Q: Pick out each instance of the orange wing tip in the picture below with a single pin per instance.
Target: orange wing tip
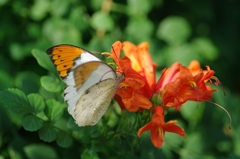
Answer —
(63, 73)
(59, 49)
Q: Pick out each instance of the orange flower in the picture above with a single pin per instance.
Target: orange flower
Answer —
(142, 63)
(158, 127)
(188, 87)
(130, 89)
(169, 75)
(130, 94)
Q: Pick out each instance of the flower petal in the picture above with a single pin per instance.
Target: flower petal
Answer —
(131, 51)
(157, 137)
(148, 126)
(171, 127)
(116, 50)
(146, 63)
(133, 100)
(168, 76)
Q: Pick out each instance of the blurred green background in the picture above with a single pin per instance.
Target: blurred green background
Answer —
(183, 30)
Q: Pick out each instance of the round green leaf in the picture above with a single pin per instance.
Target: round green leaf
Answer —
(174, 30)
(39, 9)
(47, 133)
(135, 7)
(17, 51)
(102, 21)
(60, 31)
(54, 109)
(40, 151)
(31, 122)
(89, 153)
(206, 48)
(44, 60)
(64, 140)
(51, 84)
(15, 100)
(36, 102)
(140, 29)
(62, 7)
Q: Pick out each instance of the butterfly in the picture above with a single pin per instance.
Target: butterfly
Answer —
(90, 83)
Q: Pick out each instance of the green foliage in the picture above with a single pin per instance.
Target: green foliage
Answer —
(40, 151)
(174, 30)
(43, 60)
(54, 110)
(31, 122)
(47, 133)
(34, 122)
(64, 139)
(15, 100)
(36, 102)
(51, 84)
(102, 21)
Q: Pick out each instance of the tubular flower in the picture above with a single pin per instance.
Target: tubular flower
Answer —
(139, 89)
(158, 127)
(188, 87)
(130, 90)
(142, 63)
(130, 94)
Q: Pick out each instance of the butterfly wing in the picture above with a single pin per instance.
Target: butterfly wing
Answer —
(67, 57)
(94, 102)
(84, 77)
(90, 82)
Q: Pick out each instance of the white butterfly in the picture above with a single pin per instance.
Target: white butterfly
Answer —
(91, 83)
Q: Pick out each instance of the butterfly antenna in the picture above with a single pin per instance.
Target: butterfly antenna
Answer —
(105, 74)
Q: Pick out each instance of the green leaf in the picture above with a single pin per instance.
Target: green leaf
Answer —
(61, 9)
(5, 80)
(182, 53)
(140, 25)
(54, 109)
(17, 51)
(89, 154)
(174, 30)
(47, 133)
(205, 48)
(64, 140)
(39, 9)
(27, 81)
(40, 151)
(102, 21)
(44, 60)
(31, 122)
(135, 7)
(60, 31)
(96, 4)
(51, 84)
(195, 144)
(36, 102)
(15, 100)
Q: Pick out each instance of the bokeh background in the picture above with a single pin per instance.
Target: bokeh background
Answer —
(177, 30)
